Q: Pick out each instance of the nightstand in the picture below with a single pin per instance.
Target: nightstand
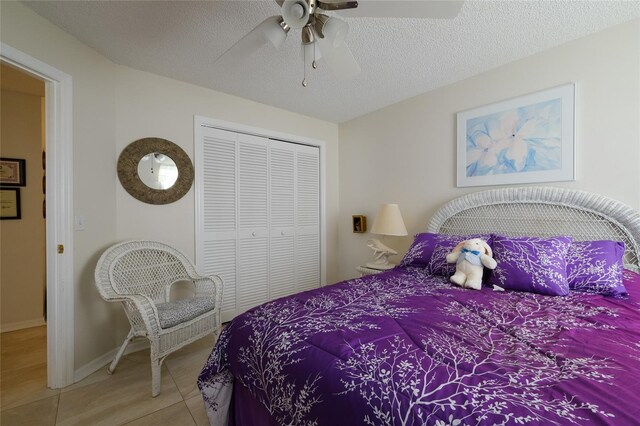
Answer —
(365, 270)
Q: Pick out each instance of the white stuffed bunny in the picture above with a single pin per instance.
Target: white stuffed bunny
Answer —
(470, 256)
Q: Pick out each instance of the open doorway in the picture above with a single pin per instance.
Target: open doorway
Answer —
(56, 299)
(22, 182)
(22, 235)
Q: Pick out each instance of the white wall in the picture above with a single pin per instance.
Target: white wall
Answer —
(405, 153)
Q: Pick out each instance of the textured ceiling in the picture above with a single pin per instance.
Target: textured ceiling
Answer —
(400, 58)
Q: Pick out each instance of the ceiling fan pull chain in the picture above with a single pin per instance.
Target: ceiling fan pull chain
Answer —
(314, 64)
(304, 67)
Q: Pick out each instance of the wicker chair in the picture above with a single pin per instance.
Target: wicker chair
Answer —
(140, 275)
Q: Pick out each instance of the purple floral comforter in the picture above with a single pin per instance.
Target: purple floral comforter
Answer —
(407, 348)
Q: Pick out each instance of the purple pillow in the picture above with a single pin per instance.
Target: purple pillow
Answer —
(531, 264)
(596, 267)
(430, 250)
(421, 249)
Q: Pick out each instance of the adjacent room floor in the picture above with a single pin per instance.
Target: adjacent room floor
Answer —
(99, 399)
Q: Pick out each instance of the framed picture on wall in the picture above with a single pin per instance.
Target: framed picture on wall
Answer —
(12, 172)
(10, 203)
(523, 140)
(359, 223)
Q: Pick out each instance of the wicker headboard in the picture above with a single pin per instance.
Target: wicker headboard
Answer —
(543, 212)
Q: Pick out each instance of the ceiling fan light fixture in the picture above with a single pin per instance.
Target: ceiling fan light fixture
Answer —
(324, 35)
(275, 30)
(307, 35)
(333, 29)
(319, 22)
(295, 13)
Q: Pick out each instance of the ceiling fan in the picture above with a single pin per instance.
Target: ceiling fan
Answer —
(323, 35)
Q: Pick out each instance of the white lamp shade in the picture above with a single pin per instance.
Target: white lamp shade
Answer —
(389, 221)
(335, 30)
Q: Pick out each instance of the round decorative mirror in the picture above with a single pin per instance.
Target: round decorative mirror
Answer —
(155, 171)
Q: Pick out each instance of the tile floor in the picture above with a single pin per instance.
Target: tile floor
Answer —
(123, 398)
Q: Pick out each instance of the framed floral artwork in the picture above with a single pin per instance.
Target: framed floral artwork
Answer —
(523, 140)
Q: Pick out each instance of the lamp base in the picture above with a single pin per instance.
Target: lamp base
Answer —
(381, 253)
(380, 266)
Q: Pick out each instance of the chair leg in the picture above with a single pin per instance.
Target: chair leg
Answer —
(156, 368)
(116, 360)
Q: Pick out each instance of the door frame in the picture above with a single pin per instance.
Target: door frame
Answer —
(200, 121)
(59, 212)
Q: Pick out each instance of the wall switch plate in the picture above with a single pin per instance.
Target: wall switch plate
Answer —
(79, 223)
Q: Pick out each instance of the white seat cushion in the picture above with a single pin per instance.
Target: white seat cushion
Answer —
(179, 311)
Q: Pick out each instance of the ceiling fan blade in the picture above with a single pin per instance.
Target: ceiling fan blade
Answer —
(339, 59)
(438, 9)
(268, 31)
(336, 4)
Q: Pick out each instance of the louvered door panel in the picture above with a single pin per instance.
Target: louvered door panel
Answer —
(219, 258)
(282, 276)
(218, 231)
(253, 182)
(307, 217)
(308, 182)
(282, 184)
(253, 285)
(219, 181)
(253, 221)
(308, 262)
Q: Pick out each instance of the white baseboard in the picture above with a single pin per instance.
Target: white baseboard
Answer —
(13, 326)
(103, 360)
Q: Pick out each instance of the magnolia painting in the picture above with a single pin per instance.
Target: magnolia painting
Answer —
(523, 139)
(529, 139)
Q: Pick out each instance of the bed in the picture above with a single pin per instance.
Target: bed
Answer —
(406, 347)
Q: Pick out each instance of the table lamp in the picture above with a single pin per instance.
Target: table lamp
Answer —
(388, 221)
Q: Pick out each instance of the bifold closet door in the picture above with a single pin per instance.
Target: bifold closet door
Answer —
(294, 218)
(258, 218)
(282, 187)
(307, 217)
(216, 167)
(253, 220)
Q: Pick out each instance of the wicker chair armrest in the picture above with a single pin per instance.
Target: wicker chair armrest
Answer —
(210, 286)
(109, 294)
(147, 309)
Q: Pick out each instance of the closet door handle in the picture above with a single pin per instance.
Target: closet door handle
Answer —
(253, 234)
(282, 233)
